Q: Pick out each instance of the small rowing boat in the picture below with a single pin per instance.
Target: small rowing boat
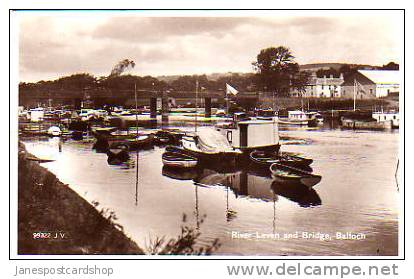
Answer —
(178, 160)
(141, 141)
(118, 154)
(261, 158)
(287, 173)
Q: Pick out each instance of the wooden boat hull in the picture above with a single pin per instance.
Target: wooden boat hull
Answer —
(140, 142)
(264, 159)
(207, 158)
(286, 173)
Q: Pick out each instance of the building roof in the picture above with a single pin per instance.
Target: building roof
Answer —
(325, 81)
(382, 76)
(362, 79)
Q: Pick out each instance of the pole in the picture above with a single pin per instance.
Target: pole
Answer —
(136, 130)
(136, 109)
(196, 208)
(354, 94)
(196, 105)
(227, 103)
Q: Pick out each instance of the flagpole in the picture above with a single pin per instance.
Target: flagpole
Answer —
(227, 102)
(196, 105)
(354, 94)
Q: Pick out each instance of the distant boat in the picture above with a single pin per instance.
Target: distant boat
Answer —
(314, 118)
(287, 173)
(386, 116)
(265, 114)
(162, 137)
(294, 117)
(54, 131)
(178, 160)
(368, 125)
(266, 159)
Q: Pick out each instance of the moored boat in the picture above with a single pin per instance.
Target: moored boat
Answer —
(54, 131)
(369, 125)
(178, 160)
(142, 141)
(118, 154)
(294, 117)
(266, 159)
(387, 116)
(287, 173)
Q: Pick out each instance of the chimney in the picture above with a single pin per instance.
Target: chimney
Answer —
(341, 76)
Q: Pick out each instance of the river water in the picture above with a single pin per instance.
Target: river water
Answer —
(248, 212)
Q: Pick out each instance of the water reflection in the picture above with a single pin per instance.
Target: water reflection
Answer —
(297, 193)
(243, 183)
(178, 174)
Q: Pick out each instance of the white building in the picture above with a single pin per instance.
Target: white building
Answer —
(324, 87)
(386, 81)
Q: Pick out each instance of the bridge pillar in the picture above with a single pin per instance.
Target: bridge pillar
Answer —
(207, 106)
(153, 108)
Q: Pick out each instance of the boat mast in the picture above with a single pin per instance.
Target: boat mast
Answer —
(196, 105)
(227, 102)
(136, 130)
(136, 109)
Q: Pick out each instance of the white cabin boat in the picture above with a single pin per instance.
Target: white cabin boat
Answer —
(251, 134)
(36, 114)
(295, 117)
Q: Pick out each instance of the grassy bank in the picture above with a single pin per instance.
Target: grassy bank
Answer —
(70, 225)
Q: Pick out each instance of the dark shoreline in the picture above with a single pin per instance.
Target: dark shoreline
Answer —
(53, 219)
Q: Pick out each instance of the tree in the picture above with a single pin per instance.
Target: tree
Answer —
(276, 69)
(327, 72)
(391, 66)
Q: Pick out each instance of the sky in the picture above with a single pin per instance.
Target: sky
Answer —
(55, 44)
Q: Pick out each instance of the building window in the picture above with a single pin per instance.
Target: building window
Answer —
(322, 87)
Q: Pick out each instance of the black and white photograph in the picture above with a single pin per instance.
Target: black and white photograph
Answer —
(146, 133)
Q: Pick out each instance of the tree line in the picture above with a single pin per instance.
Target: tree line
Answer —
(275, 70)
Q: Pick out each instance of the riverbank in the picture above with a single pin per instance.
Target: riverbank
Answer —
(53, 219)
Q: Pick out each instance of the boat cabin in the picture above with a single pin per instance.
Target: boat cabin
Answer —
(36, 114)
(251, 134)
